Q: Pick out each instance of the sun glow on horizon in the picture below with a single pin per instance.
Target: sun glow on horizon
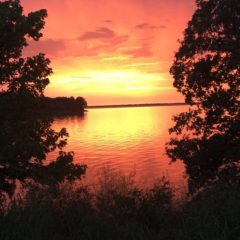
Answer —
(110, 82)
(121, 55)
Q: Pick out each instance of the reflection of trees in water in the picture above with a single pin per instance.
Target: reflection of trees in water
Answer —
(206, 71)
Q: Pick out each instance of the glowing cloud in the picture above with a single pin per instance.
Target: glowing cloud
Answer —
(112, 51)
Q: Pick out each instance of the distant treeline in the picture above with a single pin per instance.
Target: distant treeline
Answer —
(63, 105)
(43, 105)
(137, 105)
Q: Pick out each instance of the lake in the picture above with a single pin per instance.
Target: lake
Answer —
(126, 140)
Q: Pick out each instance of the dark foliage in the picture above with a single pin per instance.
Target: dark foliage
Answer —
(206, 71)
(63, 105)
(18, 74)
(70, 213)
(26, 136)
(76, 213)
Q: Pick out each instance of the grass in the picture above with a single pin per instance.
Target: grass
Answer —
(118, 209)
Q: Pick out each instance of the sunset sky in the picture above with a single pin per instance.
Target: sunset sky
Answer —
(112, 51)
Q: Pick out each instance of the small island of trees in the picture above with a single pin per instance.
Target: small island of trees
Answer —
(63, 105)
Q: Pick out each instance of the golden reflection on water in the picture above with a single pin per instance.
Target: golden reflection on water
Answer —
(124, 139)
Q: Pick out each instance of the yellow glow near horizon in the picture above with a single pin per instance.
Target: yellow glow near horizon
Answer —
(108, 81)
(112, 52)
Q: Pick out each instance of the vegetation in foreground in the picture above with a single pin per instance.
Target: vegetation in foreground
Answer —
(206, 72)
(120, 210)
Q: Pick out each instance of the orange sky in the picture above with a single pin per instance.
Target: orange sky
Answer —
(112, 51)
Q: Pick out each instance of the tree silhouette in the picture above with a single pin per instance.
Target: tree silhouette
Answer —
(26, 136)
(16, 73)
(63, 105)
(206, 71)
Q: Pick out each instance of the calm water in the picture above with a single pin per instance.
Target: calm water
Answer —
(129, 140)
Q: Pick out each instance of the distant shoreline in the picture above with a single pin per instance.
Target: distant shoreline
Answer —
(136, 105)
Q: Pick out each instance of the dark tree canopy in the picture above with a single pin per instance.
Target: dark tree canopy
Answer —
(206, 70)
(63, 105)
(26, 136)
(17, 73)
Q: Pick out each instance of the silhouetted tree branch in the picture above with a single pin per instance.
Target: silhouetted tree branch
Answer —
(26, 136)
(206, 71)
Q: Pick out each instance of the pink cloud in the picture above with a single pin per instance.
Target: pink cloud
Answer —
(47, 46)
(107, 46)
(100, 33)
(104, 40)
(108, 21)
(148, 26)
(142, 52)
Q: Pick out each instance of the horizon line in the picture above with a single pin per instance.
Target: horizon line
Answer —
(137, 105)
